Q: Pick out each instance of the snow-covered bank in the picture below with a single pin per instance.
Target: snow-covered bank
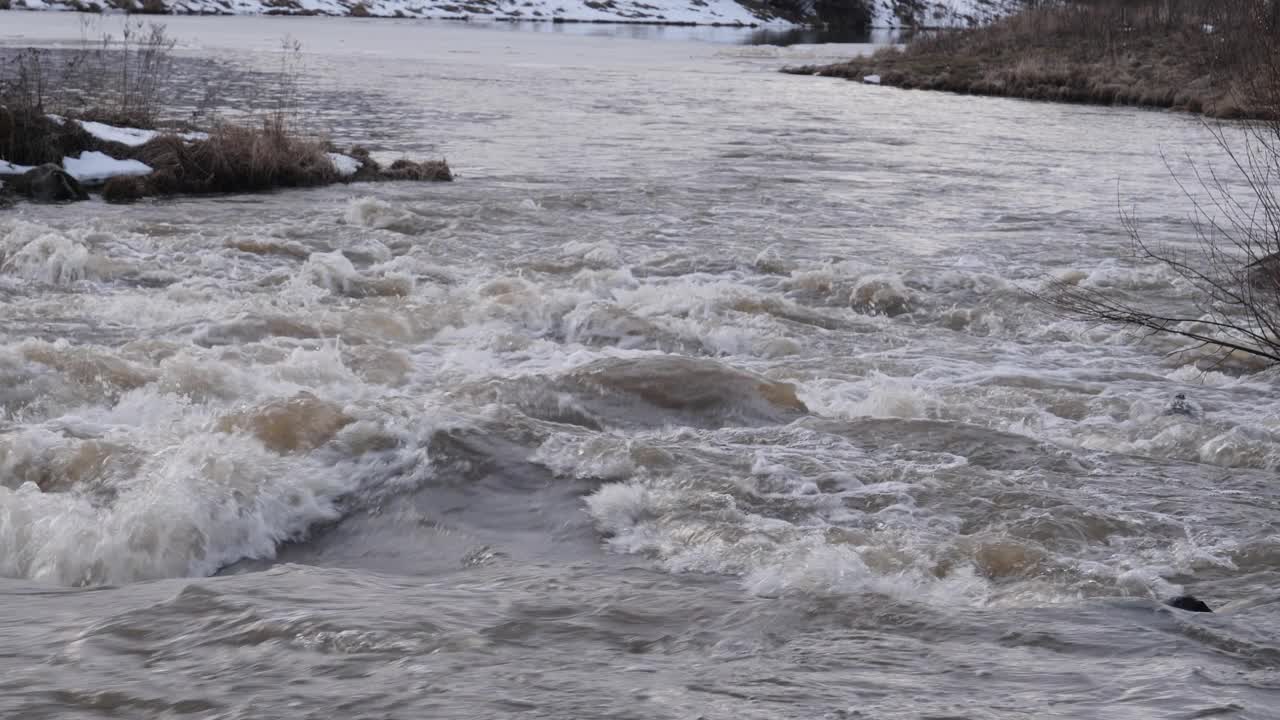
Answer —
(897, 14)
(882, 13)
(701, 12)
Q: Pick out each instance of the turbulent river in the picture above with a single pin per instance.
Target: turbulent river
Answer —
(703, 392)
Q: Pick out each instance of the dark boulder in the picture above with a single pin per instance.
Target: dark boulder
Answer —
(47, 183)
(370, 170)
(1190, 603)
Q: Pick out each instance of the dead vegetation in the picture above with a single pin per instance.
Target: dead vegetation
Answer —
(235, 158)
(1195, 55)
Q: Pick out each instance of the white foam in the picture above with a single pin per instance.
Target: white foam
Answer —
(331, 271)
(371, 212)
(877, 396)
(40, 253)
(205, 501)
(692, 529)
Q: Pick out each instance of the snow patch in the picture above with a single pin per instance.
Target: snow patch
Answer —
(131, 137)
(871, 79)
(941, 13)
(345, 164)
(8, 168)
(96, 167)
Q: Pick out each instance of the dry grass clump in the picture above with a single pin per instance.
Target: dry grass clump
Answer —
(235, 158)
(30, 137)
(1193, 55)
(121, 190)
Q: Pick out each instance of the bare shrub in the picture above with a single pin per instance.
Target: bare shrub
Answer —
(125, 81)
(1234, 267)
(31, 88)
(284, 113)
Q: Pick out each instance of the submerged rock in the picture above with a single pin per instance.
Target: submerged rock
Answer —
(1190, 603)
(1181, 405)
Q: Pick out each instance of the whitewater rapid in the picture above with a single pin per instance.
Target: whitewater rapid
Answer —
(703, 390)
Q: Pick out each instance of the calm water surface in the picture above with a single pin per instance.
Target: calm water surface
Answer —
(704, 392)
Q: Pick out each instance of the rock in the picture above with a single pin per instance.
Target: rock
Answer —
(435, 170)
(1180, 405)
(48, 183)
(878, 296)
(370, 170)
(124, 189)
(1190, 603)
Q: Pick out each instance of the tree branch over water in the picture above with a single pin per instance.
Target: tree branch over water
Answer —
(1233, 268)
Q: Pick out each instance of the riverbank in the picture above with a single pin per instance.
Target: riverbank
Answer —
(1195, 62)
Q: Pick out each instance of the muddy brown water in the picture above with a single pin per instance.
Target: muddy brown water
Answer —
(704, 392)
